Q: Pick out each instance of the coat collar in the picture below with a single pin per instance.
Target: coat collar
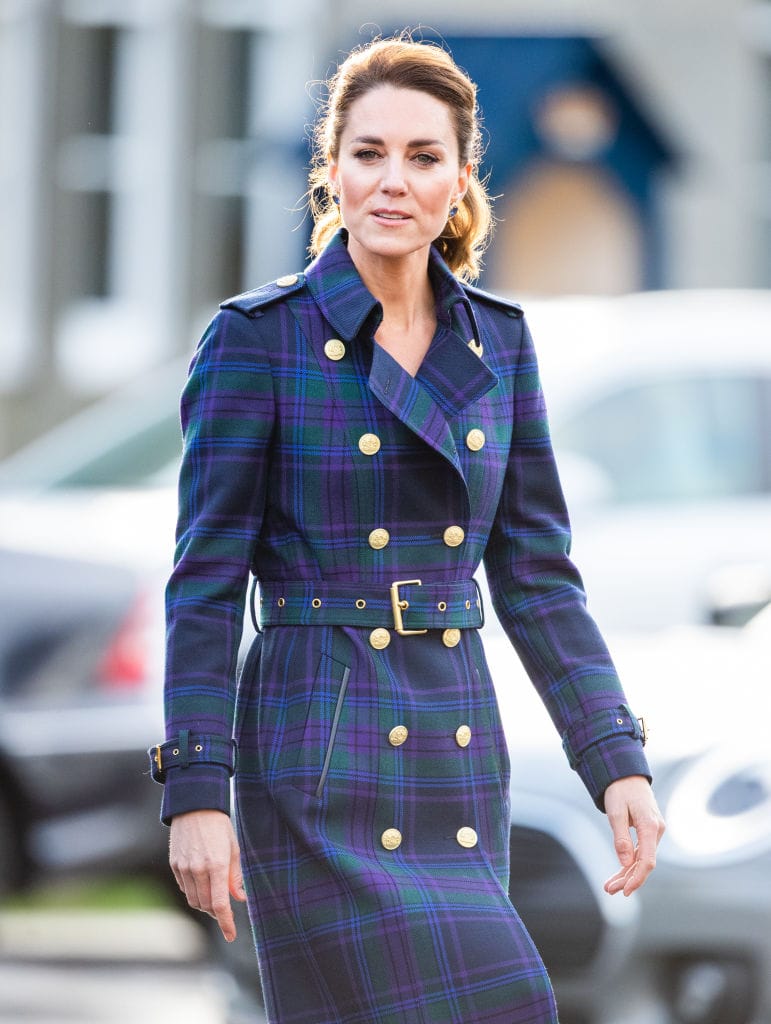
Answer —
(452, 374)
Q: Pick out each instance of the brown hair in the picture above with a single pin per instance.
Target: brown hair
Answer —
(403, 63)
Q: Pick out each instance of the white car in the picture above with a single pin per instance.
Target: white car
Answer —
(660, 406)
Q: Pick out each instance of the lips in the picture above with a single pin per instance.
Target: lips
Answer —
(390, 215)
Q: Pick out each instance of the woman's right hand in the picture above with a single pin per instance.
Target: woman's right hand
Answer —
(205, 859)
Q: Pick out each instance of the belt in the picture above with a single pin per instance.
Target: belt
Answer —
(408, 606)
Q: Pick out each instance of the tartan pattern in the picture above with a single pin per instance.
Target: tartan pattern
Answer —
(273, 480)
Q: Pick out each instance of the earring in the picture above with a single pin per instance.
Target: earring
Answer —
(335, 198)
(453, 211)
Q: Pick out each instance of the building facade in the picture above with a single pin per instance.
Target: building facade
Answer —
(153, 155)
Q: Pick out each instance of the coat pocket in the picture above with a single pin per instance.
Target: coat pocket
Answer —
(333, 731)
(314, 747)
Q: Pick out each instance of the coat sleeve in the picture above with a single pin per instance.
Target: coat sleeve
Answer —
(227, 414)
(538, 596)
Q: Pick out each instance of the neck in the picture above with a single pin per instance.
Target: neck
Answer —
(401, 285)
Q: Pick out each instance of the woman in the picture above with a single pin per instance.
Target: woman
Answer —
(360, 437)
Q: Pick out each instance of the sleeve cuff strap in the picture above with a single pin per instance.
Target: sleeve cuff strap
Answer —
(191, 748)
(599, 726)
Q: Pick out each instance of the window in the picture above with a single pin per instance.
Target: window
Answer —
(223, 106)
(84, 208)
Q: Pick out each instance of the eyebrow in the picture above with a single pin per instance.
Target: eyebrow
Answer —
(374, 140)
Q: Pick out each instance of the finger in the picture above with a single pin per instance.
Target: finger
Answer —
(197, 888)
(221, 909)
(648, 834)
(622, 838)
(617, 881)
(236, 881)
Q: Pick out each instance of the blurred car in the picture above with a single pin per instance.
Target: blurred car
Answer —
(694, 945)
(77, 662)
(84, 550)
(660, 406)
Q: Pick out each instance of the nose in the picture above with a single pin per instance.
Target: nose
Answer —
(392, 181)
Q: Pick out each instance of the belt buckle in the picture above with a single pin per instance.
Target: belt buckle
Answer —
(399, 606)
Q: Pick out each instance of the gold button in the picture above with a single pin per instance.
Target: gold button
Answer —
(369, 444)
(451, 637)
(476, 348)
(453, 536)
(361, 603)
(334, 349)
(287, 280)
(398, 735)
(316, 602)
(378, 539)
(379, 638)
(467, 837)
(463, 735)
(475, 439)
(391, 839)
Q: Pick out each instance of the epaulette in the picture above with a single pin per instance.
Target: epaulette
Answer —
(255, 300)
(513, 309)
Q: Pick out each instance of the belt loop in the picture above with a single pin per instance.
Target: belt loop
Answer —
(480, 602)
(252, 608)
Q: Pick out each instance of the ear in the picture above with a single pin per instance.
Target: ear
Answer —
(332, 171)
(464, 177)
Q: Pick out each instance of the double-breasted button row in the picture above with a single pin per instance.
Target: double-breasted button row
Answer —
(380, 638)
(466, 836)
(369, 444)
(399, 734)
(379, 538)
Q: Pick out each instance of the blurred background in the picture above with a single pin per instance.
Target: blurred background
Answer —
(153, 158)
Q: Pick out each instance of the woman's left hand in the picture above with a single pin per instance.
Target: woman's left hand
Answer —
(630, 803)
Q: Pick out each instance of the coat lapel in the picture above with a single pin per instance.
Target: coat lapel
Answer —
(412, 404)
(451, 377)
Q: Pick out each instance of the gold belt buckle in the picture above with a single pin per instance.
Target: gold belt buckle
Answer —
(399, 606)
(157, 757)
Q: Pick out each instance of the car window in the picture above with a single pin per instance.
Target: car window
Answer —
(146, 457)
(677, 438)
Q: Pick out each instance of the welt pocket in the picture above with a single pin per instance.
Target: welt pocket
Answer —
(335, 725)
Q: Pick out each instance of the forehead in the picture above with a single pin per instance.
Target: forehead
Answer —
(400, 114)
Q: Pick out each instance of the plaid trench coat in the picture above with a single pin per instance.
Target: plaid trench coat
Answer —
(372, 780)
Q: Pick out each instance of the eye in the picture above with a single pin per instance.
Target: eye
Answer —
(366, 154)
(426, 159)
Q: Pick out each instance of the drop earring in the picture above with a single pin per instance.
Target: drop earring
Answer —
(453, 211)
(335, 198)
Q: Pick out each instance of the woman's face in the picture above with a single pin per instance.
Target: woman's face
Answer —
(397, 172)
